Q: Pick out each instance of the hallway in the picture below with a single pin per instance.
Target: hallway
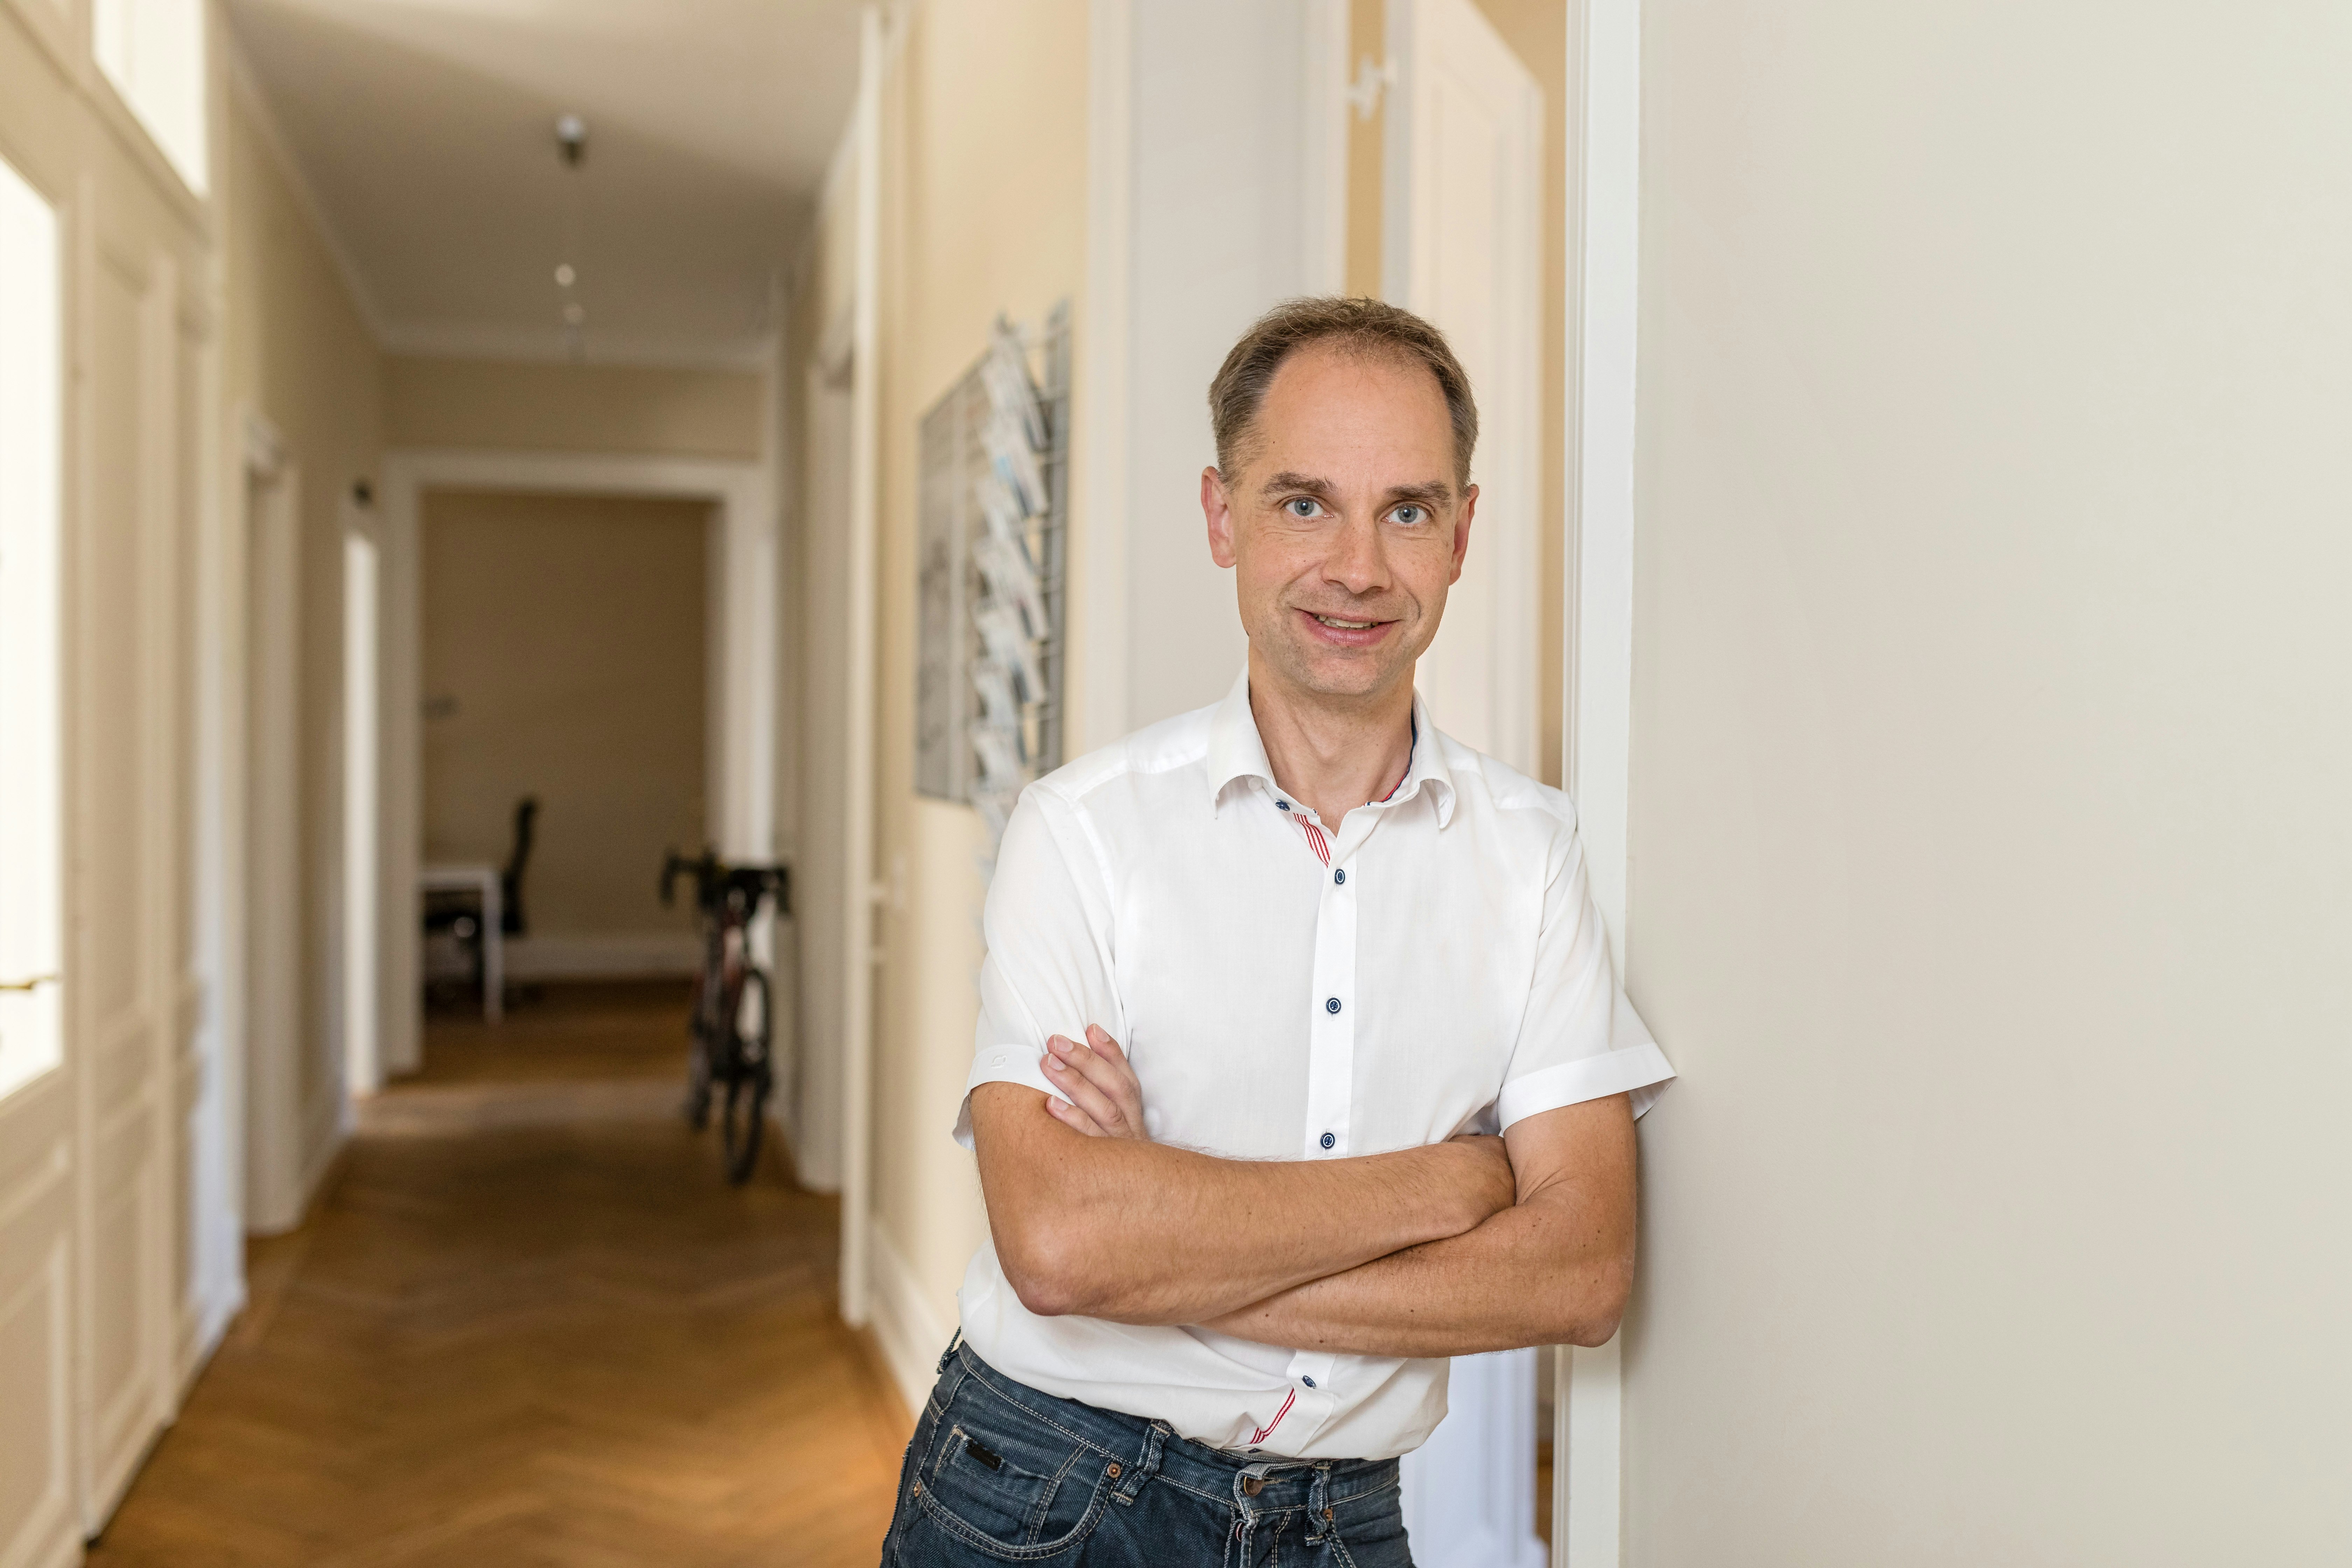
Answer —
(529, 1324)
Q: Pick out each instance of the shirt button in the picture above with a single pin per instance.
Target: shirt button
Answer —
(1331, 1004)
(1282, 805)
(1341, 878)
(1307, 1381)
(1327, 1141)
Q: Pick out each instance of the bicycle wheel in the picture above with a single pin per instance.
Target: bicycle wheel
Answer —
(698, 1071)
(746, 1115)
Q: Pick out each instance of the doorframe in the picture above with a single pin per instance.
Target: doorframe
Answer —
(262, 1016)
(363, 867)
(745, 615)
(1603, 214)
(857, 804)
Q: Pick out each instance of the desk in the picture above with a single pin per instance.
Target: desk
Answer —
(483, 882)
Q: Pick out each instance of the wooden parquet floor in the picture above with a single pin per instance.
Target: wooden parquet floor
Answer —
(548, 1338)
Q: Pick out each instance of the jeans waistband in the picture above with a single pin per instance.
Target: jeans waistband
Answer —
(1148, 1447)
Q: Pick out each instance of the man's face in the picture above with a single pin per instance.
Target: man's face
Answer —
(1344, 526)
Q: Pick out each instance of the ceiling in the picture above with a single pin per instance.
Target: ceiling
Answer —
(426, 132)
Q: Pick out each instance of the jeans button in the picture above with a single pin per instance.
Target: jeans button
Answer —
(1253, 1485)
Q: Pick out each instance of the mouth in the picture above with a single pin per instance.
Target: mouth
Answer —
(1344, 631)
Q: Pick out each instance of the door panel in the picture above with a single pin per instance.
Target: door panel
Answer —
(123, 614)
(39, 1522)
(1464, 249)
(37, 1513)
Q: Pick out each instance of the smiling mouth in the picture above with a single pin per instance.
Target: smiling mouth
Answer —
(1338, 624)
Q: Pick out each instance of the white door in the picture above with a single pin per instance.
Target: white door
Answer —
(122, 824)
(1463, 247)
(37, 1516)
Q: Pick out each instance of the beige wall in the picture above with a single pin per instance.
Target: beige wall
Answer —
(564, 657)
(297, 352)
(1537, 31)
(502, 405)
(984, 211)
(1988, 863)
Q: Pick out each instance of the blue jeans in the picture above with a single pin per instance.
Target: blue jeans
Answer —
(999, 1472)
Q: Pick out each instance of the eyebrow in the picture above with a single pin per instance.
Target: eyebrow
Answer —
(1429, 492)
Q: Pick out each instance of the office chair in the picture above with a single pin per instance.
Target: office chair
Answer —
(459, 915)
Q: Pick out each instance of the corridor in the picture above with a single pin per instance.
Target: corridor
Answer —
(529, 1323)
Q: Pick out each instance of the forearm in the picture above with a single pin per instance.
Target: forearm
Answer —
(1540, 1273)
(1143, 1232)
(1553, 1269)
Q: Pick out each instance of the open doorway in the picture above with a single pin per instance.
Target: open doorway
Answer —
(568, 660)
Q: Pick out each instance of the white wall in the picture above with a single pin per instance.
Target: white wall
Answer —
(1989, 859)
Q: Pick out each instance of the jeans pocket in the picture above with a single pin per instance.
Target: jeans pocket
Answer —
(1366, 1531)
(1009, 1484)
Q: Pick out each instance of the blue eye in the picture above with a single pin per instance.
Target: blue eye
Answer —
(1409, 515)
(1301, 507)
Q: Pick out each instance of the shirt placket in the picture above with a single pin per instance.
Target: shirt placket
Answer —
(1330, 1063)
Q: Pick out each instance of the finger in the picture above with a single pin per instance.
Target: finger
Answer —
(1127, 1089)
(1069, 1115)
(1085, 1095)
(1115, 1079)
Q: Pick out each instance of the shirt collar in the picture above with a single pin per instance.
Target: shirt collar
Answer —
(1236, 751)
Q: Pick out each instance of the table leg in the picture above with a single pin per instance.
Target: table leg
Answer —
(494, 951)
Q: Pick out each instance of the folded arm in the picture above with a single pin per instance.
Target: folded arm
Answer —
(1554, 1268)
(1121, 1228)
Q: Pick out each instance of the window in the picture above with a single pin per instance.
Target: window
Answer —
(154, 53)
(31, 445)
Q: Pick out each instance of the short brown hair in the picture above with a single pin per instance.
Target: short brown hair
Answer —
(1358, 326)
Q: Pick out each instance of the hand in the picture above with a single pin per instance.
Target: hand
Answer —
(1100, 1094)
(1492, 1185)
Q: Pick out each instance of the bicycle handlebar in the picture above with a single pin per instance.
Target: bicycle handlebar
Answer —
(727, 890)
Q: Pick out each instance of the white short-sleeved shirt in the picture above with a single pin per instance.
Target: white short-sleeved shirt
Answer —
(1286, 991)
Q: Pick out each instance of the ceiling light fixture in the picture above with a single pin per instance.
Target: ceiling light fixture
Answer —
(571, 148)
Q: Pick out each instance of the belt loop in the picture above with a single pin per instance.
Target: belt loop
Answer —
(1318, 1505)
(1155, 1436)
(948, 1355)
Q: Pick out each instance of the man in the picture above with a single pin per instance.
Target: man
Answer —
(1262, 983)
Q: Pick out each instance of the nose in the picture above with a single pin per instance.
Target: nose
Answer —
(1356, 562)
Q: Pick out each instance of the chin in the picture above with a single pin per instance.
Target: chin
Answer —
(1320, 671)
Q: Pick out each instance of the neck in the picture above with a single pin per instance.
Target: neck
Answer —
(1332, 754)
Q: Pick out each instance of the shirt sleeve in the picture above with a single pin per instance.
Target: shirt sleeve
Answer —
(1580, 1038)
(1049, 968)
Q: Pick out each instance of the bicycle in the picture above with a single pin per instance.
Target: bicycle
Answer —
(733, 1017)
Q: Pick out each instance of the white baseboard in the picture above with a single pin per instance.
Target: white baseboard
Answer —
(617, 955)
(909, 1330)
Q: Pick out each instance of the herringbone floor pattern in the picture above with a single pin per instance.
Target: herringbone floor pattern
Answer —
(537, 1339)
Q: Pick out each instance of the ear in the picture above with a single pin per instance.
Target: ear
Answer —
(1218, 509)
(1462, 531)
